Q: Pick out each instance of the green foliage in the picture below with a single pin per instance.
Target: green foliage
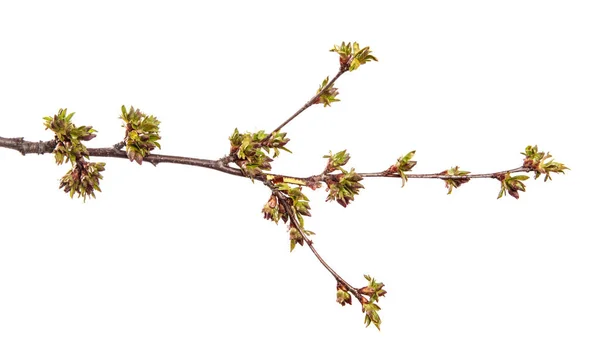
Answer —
(343, 296)
(141, 133)
(537, 161)
(352, 56)
(403, 164)
(328, 96)
(252, 150)
(371, 316)
(68, 137)
(344, 186)
(374, 290)
(84, 177)
(296, 238)
(277, 142)
(248, 149)
(274, 210)
(336, 161)
(456, 181)
(299, 200)
(511, 185)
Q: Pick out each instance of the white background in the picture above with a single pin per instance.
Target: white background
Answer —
(176, 260)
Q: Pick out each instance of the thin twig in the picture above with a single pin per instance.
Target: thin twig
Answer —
(311, 101)
(445, 176)
(294, 221)
(323, 177)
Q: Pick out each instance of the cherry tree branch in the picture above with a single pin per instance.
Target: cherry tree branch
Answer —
(251, 153)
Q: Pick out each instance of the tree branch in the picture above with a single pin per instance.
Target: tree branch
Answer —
(41, 147)
(27, 147)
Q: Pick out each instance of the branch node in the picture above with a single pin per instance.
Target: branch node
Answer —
(118, 146)
(20, 145)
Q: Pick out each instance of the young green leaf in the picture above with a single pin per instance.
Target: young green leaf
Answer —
(352, 55)
(457, 180)
(511, 185)
(141, 133)
(541, 163)
(403, 164)
(329, 94)
(336, 161)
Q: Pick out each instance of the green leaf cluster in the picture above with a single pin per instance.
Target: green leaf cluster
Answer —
(277, 142)
(456, 181)
(274, 210)
(511, 185)
(538, 161)
(84, 177)
(68, 137)
(336, 161)
(328, 96)
(404, 164)
(252, 150)
(352, 56)
(297, 238)
(298, 199)
(141, 133)
(344, 186)
(343, 296)
(374, 290)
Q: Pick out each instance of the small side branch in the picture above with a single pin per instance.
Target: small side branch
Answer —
(444, 175)
(294, 221)
(311, 101)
